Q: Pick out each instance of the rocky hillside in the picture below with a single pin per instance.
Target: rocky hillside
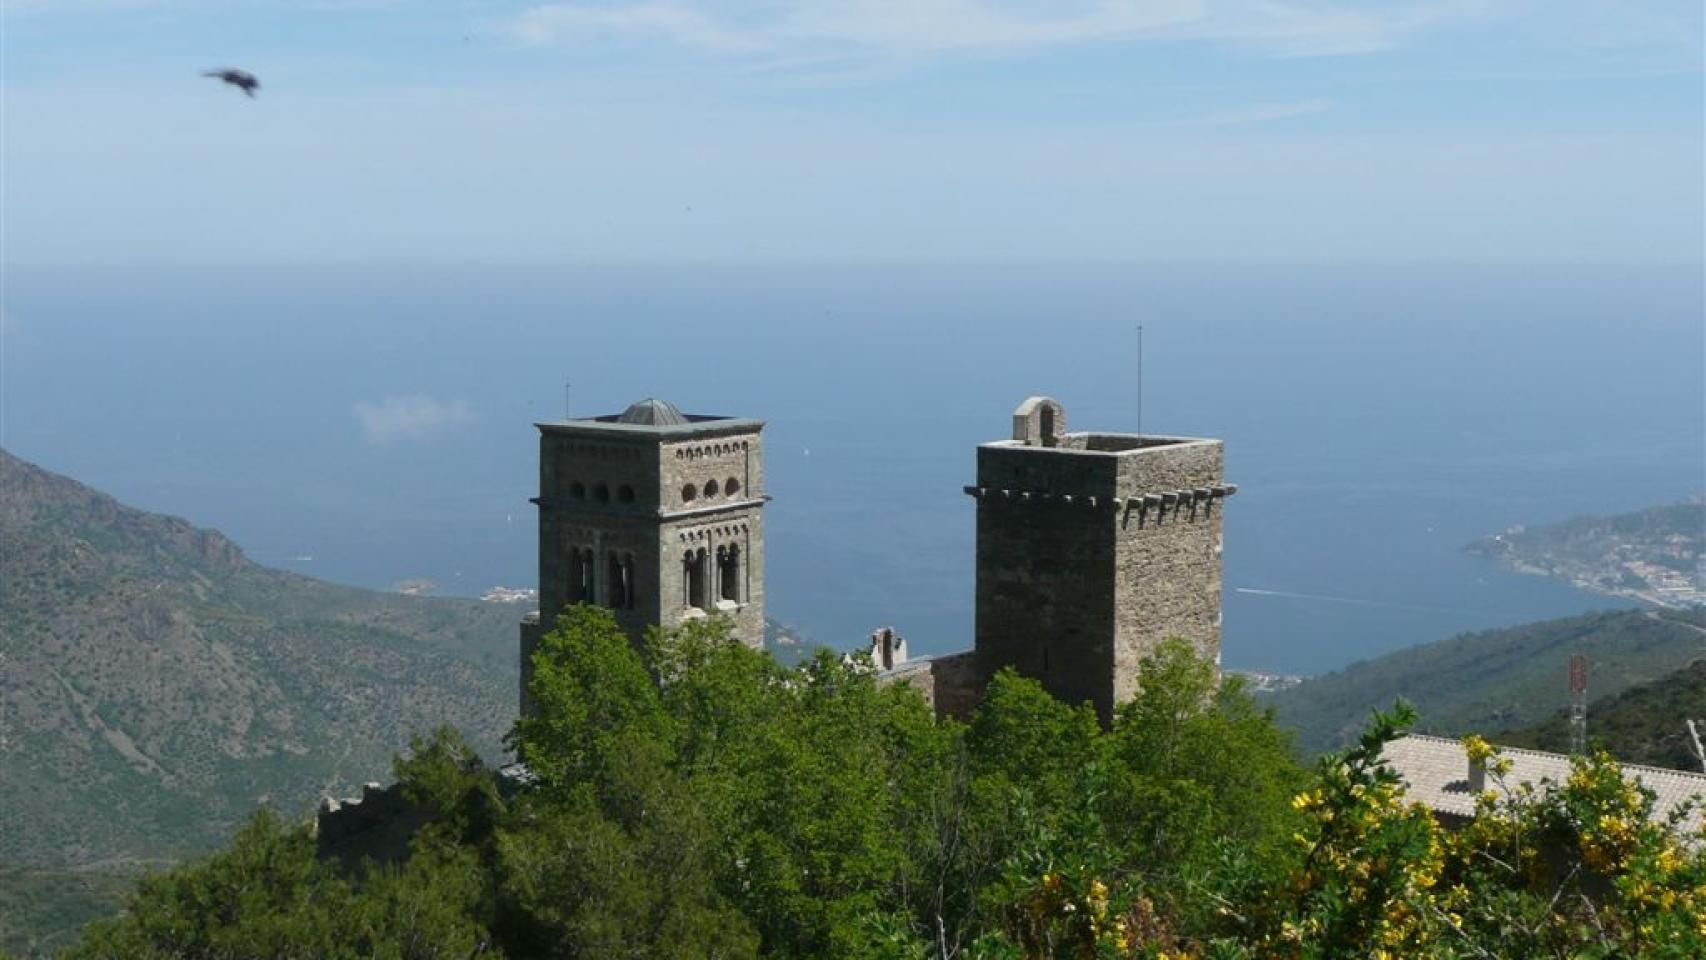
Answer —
(158, 685)
(1493, 680)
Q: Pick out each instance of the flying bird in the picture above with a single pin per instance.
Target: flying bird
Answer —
(241, 79)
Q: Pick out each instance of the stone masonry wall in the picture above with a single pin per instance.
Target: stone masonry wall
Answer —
(712, 520)
(953, 684)
(1167, 582)
(1045, 569)
(1090, 553)
(647, 497)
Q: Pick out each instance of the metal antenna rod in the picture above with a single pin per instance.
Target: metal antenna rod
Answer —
(565, 399)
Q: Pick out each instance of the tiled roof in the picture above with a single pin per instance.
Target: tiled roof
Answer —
(1436, 772)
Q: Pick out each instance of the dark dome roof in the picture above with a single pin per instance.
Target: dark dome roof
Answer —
(653, 412)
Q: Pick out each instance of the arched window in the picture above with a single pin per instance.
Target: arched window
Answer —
(580, 576)
(625, 494)
(710, 488)
(601, 493)
(577, 490)
(728, 572)
(694, 576)
(621, 589)
(731, 486)
(689, 493)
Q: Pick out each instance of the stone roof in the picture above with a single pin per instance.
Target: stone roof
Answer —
(1436, 773)
(654, 413)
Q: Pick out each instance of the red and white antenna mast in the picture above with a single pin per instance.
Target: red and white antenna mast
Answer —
(1578, 704)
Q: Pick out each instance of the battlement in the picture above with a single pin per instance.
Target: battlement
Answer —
(1099, 443)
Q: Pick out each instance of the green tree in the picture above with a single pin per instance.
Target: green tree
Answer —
(264, 895)
(1205, 776)
(593, 700)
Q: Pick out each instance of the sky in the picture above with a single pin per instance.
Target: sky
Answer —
(403, 131)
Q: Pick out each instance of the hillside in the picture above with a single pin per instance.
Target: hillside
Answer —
(158, 685)
(1643, 724)
(1493, 679)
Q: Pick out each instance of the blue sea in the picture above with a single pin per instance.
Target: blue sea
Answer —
(1376, 418)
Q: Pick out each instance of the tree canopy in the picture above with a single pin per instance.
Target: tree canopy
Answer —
(693, 798)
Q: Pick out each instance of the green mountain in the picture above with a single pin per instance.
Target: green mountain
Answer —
(1494, 679)
(1643, 724)
(157, 686)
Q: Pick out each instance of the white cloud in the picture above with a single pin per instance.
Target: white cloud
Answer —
(407, 418)
(909, 28)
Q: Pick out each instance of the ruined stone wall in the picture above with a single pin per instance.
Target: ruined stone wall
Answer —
(376, 826)
(952, 684)
(957, 681)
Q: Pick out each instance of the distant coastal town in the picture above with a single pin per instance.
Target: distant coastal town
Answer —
(1656, 556)
(421, 587)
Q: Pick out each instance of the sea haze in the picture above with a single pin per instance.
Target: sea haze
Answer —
(1376, 418)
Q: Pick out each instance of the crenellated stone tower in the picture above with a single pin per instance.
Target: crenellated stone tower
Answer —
(1092, 548)
(654, 514)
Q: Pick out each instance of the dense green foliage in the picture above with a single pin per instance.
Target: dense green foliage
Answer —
(1643, 724)
(699, 800)
(1492, 679)
(43, 908)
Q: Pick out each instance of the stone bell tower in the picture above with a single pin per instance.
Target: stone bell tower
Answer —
(1093, 548)
(654, 514)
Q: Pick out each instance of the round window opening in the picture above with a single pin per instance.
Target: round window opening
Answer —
(601, 493)
(710, 488)
(577, 490)
(731, 486)
(688, 493)
(625, 494)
